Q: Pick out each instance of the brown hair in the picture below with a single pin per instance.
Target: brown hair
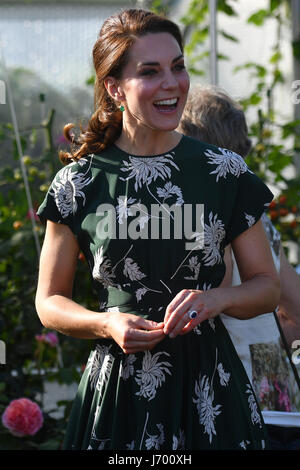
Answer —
(110, 55)
(211, 116)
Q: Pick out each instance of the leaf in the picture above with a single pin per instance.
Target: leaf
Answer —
(258, 17)
(290, 128)
(228, 36)
(131, 269)
(260, 70)
(223, 57)
(278, 76)
(224, 6)
(276, 57)
(274, 4)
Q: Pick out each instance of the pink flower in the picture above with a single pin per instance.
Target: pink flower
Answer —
(40, 338)
(50, 338)
(32, 214)
(283, 398)
(22, 417)
(264, 388)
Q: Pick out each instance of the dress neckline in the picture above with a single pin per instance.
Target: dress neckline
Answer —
(173, 149)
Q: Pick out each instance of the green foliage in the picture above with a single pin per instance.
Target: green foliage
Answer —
(27, 357)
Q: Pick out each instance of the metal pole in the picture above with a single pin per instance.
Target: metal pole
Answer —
(20, 152)
(213, 42)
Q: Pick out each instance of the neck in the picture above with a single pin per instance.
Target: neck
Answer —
(146, 141)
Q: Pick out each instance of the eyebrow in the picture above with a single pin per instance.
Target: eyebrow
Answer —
(140, 64)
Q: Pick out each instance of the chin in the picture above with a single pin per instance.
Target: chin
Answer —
(166, 126)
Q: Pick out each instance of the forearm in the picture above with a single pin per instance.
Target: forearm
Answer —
(289, 301)
(253, 297)
(66, 316)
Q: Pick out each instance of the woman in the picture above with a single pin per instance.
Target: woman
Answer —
(164, 373)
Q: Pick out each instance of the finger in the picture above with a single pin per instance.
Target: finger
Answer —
(143, 336)
(138, 346)
(178, 299)
(178, 314)
(201, 317)
(185, 321)
(149, 324)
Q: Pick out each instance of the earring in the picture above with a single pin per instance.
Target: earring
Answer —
(121, 108)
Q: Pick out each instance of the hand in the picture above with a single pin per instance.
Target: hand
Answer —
(133, 333)
(208, 304)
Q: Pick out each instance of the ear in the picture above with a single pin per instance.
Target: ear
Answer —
(114, 89)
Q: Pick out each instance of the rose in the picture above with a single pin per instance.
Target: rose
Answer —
(50, 338)
(22, 417)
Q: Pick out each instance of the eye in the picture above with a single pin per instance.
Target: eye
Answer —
(179, 67)
(148, 72)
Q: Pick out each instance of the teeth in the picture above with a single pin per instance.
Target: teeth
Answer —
(166, 102)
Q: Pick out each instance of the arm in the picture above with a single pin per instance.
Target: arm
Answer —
(289, 302)
(58, 311)
(258, 293)
(227, 280)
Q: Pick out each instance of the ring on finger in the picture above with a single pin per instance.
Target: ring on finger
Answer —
(192, 314)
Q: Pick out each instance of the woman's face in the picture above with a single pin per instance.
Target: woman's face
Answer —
(154, 83)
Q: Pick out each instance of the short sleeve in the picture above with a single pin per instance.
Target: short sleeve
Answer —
(252, 199)
(60, 204)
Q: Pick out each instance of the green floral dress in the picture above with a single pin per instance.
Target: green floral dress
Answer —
(150, 227)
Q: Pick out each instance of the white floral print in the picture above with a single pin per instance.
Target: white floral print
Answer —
(224, 376)
(214, 233)
(255, 417)
(152, 374)
(155, 441)
(197, 329)
(132, 270)
(130, 446)
(102, 270)
(146, 170)
(179, 442)
(228, 162)
(168, 190)
(194, 265)
(99, 366)
(211, 323)
(207, 411)
(140, 292)
(244, 444)
(127, 369)
(250, 219)
(67, 188)
(123, 208)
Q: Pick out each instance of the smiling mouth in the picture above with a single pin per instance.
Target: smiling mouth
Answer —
(166, 105)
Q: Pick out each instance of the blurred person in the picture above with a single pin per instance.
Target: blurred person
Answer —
(163, 374)
(212, 116)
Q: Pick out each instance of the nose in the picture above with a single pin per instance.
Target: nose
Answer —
(169, 80)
